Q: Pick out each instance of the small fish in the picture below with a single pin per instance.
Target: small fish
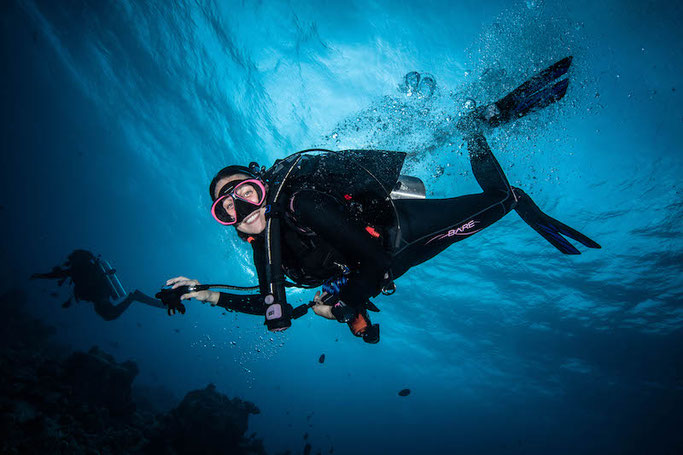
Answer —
(176, 330)
(138, 324)
(321, 359)
(404, 392)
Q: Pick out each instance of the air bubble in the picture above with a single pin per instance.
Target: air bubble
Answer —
(469, 104)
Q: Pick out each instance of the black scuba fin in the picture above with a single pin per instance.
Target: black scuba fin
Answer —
(551, 229)
(536, 93)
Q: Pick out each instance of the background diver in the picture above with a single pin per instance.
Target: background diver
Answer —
(321, 224)
(95, 281)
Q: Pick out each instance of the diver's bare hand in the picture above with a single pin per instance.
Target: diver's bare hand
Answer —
(320, 308)
(202, 296)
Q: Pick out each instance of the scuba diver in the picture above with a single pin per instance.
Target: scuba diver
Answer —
(349, 222)
(95, 281)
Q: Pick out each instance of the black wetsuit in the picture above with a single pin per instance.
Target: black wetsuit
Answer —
(320, 235)
(421, 228)
(429, 226)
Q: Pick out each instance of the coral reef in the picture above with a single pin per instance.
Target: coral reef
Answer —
(206, 422)
(53, 401)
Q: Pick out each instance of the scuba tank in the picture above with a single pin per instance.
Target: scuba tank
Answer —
(408, 187)
(115, 286)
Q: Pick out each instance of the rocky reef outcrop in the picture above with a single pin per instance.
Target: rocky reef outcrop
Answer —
(59, 402)
(206, 422)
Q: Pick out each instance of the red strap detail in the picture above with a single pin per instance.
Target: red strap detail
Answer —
(250, 239)
(372, 232)
(348, 197)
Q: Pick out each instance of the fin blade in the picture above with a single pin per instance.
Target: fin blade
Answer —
(551, 235)
(549, 228)
(574, 234)
(543, 78)
(541, 99)
(536, 93)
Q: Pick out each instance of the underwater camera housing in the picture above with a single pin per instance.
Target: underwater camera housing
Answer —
(171, 298)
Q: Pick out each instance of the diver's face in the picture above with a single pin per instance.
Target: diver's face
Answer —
(255, 223)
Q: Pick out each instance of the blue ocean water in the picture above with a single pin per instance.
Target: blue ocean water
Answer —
(117, 114)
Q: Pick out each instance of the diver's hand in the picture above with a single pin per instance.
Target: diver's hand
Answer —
(320, 308)
(202, 296)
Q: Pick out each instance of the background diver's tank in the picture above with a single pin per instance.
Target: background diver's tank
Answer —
(117, 289)
(408, 187)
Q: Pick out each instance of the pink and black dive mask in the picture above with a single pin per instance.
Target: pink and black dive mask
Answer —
(237, 200)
